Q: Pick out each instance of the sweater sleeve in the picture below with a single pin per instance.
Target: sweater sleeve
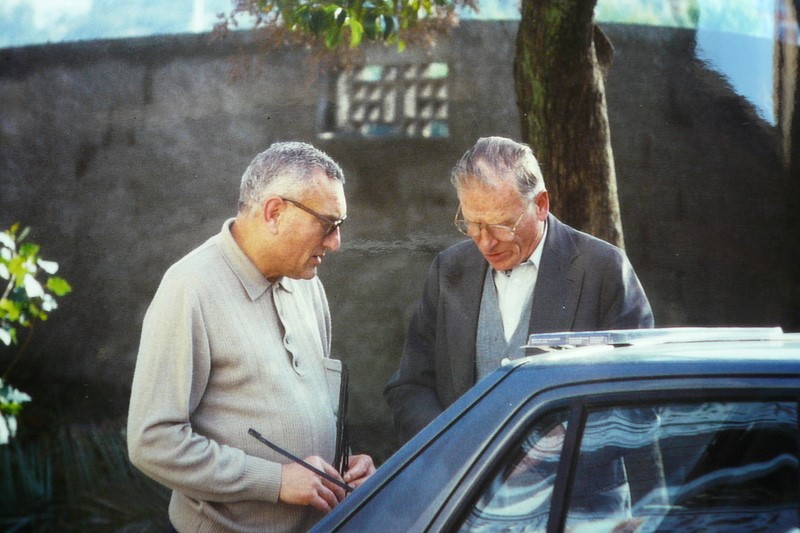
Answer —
(172, 372)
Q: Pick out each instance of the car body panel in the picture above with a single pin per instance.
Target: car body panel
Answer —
(426, 485)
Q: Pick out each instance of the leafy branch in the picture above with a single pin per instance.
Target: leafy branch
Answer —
(349, 22)
(29, 295)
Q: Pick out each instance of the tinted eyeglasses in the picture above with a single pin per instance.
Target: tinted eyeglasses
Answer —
(329, 224)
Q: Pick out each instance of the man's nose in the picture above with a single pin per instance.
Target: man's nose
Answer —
(484, 238)
(333, 241)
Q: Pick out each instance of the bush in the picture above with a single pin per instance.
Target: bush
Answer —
(77, 478)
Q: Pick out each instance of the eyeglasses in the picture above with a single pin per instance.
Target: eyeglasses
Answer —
(330, 224)
(498, 231)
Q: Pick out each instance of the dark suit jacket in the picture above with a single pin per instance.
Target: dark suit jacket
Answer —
(584, 284)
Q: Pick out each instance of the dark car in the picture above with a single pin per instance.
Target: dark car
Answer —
(664, 430)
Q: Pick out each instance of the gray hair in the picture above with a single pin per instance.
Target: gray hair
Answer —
(492, 159)
(285, 168)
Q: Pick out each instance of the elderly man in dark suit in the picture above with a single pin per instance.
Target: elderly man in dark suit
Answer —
(522, 272)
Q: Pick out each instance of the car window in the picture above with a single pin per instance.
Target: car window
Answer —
(518, 497)
(705, 466)
(711, 466)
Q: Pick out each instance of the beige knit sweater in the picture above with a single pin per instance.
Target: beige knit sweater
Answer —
(224, 350)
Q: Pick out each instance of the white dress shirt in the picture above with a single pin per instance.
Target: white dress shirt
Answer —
(515, 288)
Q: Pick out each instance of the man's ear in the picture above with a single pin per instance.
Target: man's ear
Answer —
(271, 211)
(543, 205)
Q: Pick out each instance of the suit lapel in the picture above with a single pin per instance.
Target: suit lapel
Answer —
(466, 288)
(555, 299)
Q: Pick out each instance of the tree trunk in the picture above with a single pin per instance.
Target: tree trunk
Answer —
(561, 99)
(787, 111)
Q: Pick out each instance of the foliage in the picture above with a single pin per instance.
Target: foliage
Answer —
(339, 23)
(77, 479)
(11, 401)
(24, 300)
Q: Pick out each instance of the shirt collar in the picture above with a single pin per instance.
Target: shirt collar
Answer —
(535, 258)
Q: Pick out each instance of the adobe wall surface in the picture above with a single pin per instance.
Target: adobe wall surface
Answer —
(125, 155)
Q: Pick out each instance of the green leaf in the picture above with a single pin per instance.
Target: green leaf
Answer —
(304, 15)
(333, 39)
(11, 408)
(356, 33)
(8, 310)
(58, 286)
(29, 249)
(35, 312)
(17, 269)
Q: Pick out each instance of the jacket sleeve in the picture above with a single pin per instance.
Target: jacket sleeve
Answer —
(624, 303)
(411, 391)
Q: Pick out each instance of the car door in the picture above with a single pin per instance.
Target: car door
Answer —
(639, 455)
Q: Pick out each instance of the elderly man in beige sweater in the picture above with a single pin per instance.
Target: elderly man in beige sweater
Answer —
(238, 337)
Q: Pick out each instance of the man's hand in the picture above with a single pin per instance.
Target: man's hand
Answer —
(359, 469)
(300, 486)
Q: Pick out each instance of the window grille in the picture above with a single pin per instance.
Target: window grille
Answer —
(408, 101)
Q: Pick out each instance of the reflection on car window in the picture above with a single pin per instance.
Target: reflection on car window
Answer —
(518, 498)
(729, 466)
(705, 466)
(601, 493)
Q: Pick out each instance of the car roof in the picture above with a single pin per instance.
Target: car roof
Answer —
(709, 350)
(646, 336)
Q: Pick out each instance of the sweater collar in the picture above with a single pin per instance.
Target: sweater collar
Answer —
(253, 281)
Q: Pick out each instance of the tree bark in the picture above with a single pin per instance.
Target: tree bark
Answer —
(561, 99)
(787, 112)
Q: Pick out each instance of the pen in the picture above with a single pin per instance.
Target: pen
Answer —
(299, 461)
